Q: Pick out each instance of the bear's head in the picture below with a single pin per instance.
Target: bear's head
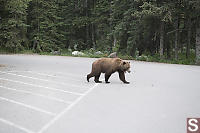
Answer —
(125, 66)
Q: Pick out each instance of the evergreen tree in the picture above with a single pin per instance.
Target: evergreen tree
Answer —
(44, 22)
(13, 24)
(158, 28)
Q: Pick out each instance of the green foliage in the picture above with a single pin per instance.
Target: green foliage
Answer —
(12, 24)
(131, 27)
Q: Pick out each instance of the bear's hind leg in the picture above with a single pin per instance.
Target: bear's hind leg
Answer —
(96, 78)
(89, 76)
(122, 77)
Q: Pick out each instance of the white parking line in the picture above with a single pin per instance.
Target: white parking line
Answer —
(66, 110)
(54, 89)
(24, 76)
(38, 73)
(28, 92)
(53, 76)
(40, 79)
(28, 106)
(15, 125)
(44, 74)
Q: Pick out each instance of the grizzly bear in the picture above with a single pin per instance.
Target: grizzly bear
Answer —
(109, 66)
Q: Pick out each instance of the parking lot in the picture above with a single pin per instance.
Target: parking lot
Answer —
(50, 94)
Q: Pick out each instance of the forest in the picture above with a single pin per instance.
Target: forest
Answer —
(152, 30)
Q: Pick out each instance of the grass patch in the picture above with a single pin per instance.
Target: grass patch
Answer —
(181, 59)
(91, 54)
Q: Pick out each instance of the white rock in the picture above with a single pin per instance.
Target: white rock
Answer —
(77, 53)
(98, 53)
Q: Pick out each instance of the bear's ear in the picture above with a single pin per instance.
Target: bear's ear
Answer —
(124, 63)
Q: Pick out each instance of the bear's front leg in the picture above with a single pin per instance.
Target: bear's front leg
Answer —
(122, 77)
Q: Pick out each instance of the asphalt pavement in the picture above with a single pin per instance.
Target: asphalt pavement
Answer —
(50, 94)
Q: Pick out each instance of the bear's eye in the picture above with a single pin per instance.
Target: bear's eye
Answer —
(124, 63)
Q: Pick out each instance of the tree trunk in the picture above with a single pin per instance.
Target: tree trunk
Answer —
(110, 24)
(38, 21)
(168, 47)
(157, 45)
(94, 26)
(94, 36)
(114, 41)
(123, 42)
(188, 38)
(87, 26)
(161, 39)
(133, 51)
(176, 39)
(198, 46)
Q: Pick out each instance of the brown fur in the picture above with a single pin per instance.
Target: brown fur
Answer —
(109, 66)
